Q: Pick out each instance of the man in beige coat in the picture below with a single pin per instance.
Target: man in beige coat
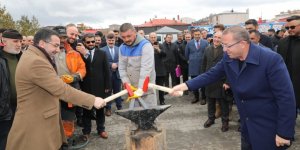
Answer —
(37, 124)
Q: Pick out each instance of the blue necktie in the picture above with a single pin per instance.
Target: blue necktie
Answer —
(112, 53)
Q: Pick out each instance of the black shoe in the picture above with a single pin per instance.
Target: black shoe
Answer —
(208, 123)
(162, 103)
(195, 101)
(203, 102)
(225, 127)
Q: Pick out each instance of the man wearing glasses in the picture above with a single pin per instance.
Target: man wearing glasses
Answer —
(38, 92)
(289, 48)
(262, 90)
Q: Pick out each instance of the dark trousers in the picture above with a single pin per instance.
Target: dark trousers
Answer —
(203, 96)
(245, 144)
(5, 126)
(185, 73)
(116, 87)
(87, 120)
(197, 93)
(211, 106)
(174, 80)
(160, 81)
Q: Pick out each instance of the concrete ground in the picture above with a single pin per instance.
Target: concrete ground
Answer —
(184, 129)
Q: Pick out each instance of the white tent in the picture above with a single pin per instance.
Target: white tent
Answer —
(161, 33)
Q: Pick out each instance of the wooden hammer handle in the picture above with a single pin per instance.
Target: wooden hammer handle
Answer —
(162, 88)
(112, 97)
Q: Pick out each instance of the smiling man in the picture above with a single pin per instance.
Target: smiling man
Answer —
(136, 61)
(262, 90)
(37, 123)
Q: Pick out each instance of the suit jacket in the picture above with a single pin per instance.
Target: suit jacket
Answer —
(195, 56)
(112, 60)
(160, 69)
(266, 41)
(97, 77)
(210, 59)
(37, 123)
(263, 93)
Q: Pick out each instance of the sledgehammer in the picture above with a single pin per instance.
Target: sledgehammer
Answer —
(147, 85)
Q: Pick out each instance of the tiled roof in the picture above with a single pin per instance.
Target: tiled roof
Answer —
(90, 31)
(161, 22)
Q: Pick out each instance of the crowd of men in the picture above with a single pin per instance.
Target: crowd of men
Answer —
(98, 64)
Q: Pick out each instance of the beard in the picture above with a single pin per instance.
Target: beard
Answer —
(13, 51)
(71, 41)
(90, 48)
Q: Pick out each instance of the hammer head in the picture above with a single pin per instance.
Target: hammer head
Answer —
(129, 90)
(143, 118)
(145, 85)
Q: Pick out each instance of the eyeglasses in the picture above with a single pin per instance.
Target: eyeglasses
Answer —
(88, 42)
(291, 27)
(228, 46)
(55, 45)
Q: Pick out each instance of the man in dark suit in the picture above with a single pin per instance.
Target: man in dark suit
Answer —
(194, 54)
(112, 54)
(252, 24)
(96, 82)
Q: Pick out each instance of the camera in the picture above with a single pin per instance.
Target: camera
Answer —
(155, 43)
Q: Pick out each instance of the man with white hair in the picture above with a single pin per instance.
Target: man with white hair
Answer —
(8, 62)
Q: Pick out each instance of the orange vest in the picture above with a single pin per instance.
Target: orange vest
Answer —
(74, 61)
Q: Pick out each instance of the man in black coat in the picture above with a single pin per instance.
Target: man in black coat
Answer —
(182, 59)
(289, 49)
(9, 57)
(160, 70)
(171, 60)
(96, 82)
(252, 24)
(214, 92)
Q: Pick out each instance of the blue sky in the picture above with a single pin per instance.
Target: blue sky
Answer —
(100, 13)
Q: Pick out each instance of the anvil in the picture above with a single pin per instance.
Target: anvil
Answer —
(143, 118)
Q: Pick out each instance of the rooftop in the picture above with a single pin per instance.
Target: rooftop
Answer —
(162, 22)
